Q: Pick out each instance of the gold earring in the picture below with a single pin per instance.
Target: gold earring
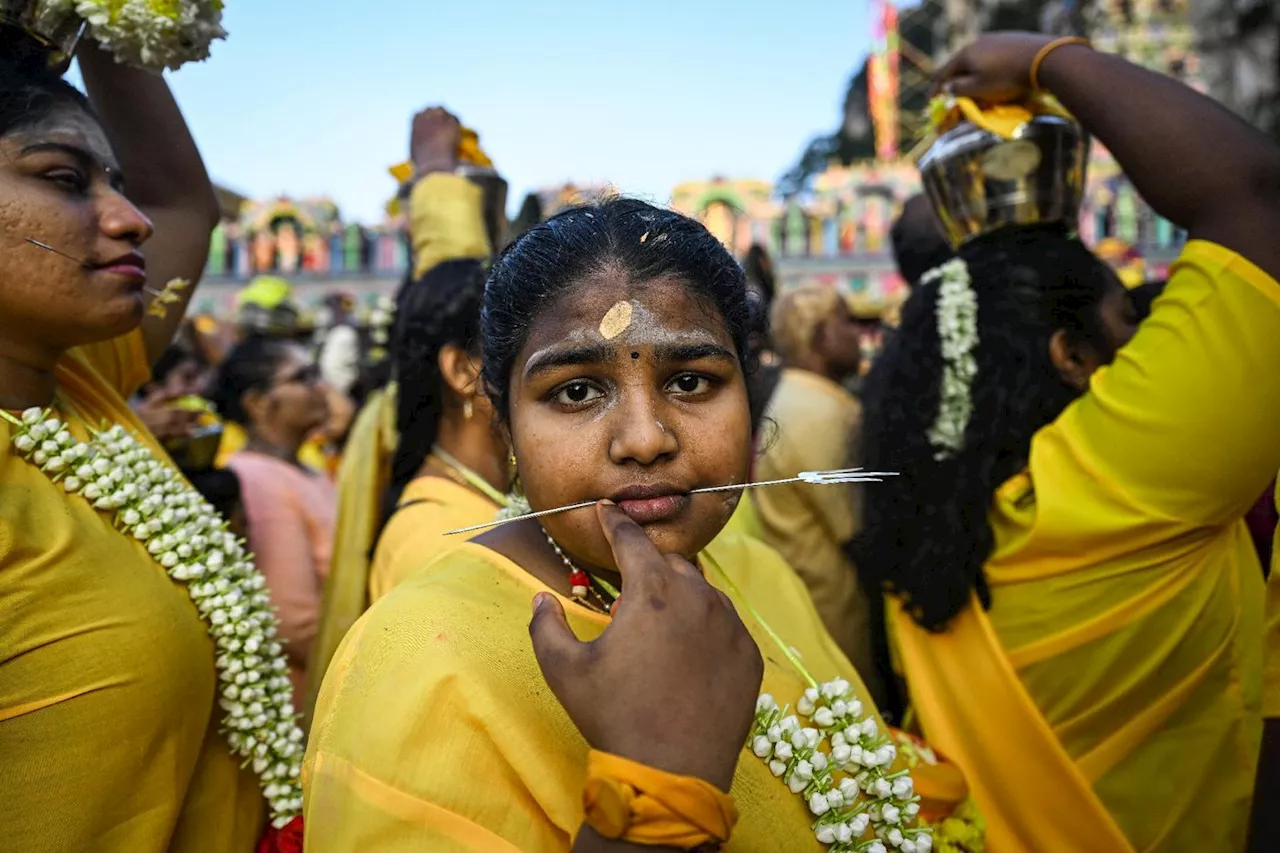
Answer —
(467, 409)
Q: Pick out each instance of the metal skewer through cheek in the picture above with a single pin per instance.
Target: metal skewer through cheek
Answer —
(59, 252)
(813, 478)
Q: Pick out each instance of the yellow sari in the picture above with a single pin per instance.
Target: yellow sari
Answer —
(1110, 699)
(362, 481)
(435, 729)
(446, 222)
(109, 722)
(429, 508)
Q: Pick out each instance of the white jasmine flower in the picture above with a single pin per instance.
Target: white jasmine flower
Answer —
(903, 788)
(777, 768)
(824, 718)
(782, 750)
(818, 804)
(765, 703)
(24, 443)
(796, 784)
(890, 814)
(761, 747)
(826, 834)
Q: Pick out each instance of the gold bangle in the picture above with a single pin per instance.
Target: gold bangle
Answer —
(1044, 54)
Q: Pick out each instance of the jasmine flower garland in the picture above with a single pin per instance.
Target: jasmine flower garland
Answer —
(117, 473)
(957, 314)
(865, 796)
(151, 34)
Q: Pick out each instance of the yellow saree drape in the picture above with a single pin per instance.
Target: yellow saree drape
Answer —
(1110, 699)
(446, 222)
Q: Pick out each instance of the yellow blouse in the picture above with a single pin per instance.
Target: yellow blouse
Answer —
(429, 508)
(1127, 594)
(436, 731)
(108, 727)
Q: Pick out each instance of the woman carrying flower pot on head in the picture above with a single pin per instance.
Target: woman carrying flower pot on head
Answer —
(111, 730)
(613, 338)
(1078, 603)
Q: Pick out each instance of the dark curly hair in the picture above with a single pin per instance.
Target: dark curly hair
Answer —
(925, 533)
(645, 241)
(442, 307)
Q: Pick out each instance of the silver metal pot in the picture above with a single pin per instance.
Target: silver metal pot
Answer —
(978, 181)
(54, 34)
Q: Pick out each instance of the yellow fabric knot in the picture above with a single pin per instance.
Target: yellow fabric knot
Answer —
(643, 805)
(947, 112)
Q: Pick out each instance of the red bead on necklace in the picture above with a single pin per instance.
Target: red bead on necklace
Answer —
(580, 583)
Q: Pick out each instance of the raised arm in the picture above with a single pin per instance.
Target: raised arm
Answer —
(1196, 163)
(164, 176)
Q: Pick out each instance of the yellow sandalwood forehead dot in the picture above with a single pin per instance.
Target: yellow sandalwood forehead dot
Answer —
(615, 321)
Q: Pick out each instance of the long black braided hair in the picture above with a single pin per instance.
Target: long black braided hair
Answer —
(925, 533)
(440, 308)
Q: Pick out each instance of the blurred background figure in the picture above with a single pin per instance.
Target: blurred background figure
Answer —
(340, 348)
(813, 423)
(273, 391)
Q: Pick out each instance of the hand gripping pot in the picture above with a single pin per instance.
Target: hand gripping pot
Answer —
(980, 181)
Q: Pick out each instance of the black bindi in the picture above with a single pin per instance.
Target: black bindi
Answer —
(635, 355)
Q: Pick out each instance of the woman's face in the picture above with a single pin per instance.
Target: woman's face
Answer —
(632, 392)
(189, 379)
(297, 401)
(60, 184)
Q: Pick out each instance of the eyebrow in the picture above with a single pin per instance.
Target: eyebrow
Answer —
(552, 358)
(86, 160)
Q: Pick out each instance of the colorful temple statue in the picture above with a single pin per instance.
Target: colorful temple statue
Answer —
(734, 211)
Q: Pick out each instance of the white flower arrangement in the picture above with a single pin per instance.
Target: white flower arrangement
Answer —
(151, 34)
(848, 787)
(957, 314)
(117, 473)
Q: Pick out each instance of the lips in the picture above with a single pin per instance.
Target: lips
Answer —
(132, 266)
(652, 504)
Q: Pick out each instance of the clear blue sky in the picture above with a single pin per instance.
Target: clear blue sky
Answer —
(315, 98)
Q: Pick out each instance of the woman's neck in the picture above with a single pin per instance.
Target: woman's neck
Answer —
(273, 443)
(472, 444)
(26, 378)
